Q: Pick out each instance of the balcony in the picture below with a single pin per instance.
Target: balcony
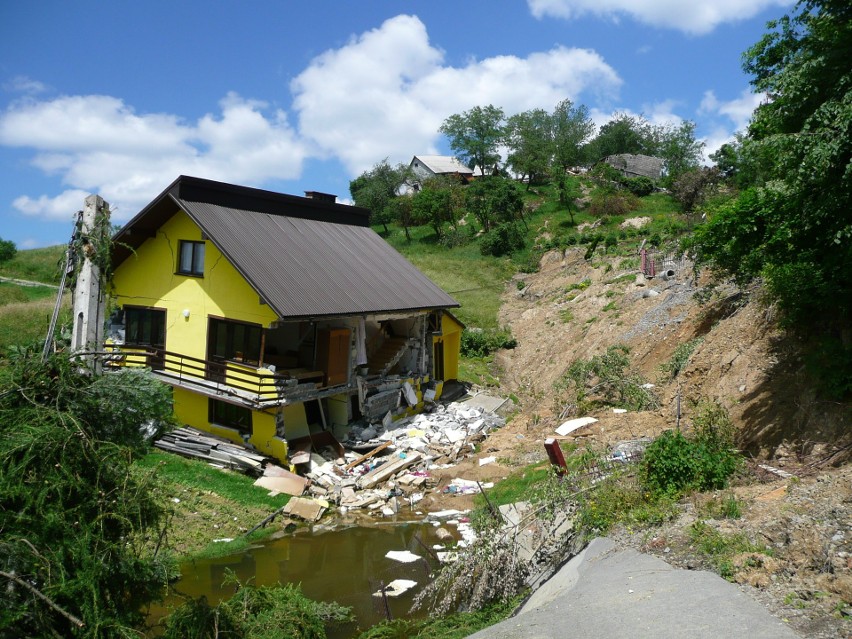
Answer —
(250, 385)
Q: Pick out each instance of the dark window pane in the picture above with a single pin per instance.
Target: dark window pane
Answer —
(191, 259)
(198, 259)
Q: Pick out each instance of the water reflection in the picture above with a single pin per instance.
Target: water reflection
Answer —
(345, 565)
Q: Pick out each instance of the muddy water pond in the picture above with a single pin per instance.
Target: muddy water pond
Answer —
(345, 565)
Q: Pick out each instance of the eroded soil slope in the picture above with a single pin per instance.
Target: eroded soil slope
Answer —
(574, 308)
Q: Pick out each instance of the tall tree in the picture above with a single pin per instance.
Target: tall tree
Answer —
(529, 138)
(678, 148)
(377, 188)
(436, 203)
(494, 200)
(572, 129)
(475, 136)
(795, 227)
(624, 133)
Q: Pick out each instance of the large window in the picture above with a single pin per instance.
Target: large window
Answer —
(229, 415)
(235, 341)
(191, 260)
(144, 326)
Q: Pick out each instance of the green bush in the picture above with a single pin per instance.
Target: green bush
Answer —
(8, 250)
(606, 380)
(675, 464)
(680, 357)
(457, 236)
(639, 186)
(255, 612)
(503, 239)
(479, 343)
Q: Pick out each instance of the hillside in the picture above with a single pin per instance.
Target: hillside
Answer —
(574, 308)
(723, 343)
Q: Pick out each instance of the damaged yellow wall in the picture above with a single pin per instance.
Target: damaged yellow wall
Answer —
(149, 278)
(451, 330)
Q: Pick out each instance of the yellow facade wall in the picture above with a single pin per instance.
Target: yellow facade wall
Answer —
(192, 409)
(150, 278)
(451, 330)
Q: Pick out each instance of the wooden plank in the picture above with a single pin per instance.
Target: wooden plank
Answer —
(293, 485)
(385, 471)
(366, 456)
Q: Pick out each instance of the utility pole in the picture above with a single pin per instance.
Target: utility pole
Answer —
(89, 296)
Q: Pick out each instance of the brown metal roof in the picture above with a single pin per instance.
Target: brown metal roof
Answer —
(304, 257)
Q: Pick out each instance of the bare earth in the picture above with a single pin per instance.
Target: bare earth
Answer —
(745, 362)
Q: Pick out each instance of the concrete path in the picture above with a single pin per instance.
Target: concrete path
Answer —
(13, 280)
(610, 593)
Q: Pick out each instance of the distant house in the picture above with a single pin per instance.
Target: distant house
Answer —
(429, 166)
(636, 165)
(275, 316)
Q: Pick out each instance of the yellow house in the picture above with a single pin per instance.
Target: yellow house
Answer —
(275, 316)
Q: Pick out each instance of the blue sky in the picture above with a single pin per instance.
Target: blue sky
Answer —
(120, 98)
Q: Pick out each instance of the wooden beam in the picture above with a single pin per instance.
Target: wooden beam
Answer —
(367, 456)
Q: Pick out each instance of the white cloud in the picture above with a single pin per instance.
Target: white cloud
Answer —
(29, 243)
(98, 143)
(696, 17)
(62, 207)
(724, 119)
(386, 92)
(738, 110)
(25, 85)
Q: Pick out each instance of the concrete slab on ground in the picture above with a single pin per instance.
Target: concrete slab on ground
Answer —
(611, 593)
(485, 402)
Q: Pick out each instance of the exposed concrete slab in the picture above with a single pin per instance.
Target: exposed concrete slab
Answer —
(485, 402)
(608, 593)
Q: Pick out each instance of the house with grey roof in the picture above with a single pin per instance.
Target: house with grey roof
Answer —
(428, 166)
(275, 317)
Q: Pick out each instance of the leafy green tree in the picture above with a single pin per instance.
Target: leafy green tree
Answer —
(529, 138)
(494, 199)
(78, 524)
(475, 135)
(377, 189)
(795, 228)
(678, 148)
(438, 202)
(8, 250)
(572, 128)
(693, 187)
(624, 133)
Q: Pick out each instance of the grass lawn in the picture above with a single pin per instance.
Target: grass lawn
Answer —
(38, 265)
(208, 504)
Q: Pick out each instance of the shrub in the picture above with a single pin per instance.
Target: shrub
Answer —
(639, 186)
(607, 380)
(679, 358)
(458, 236)
(479, 343)
(674, 464)
(8, 250)
(503, 239)
(256, 612)
(613, 203)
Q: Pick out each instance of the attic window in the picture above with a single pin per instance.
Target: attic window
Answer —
(191, 258)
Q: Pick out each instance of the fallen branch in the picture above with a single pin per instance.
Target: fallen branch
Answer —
(77, 622)
(267, 520)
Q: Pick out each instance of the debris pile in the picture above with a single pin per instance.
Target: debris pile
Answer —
(190, 442)
(395, 458)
